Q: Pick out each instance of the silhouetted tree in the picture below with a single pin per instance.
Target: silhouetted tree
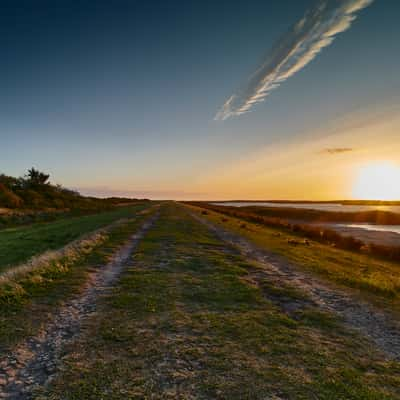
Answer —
(37, 178)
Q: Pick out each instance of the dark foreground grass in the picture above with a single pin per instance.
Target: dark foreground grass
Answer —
(377, 280)
(26, 304)
(185, 323)
(19, 244)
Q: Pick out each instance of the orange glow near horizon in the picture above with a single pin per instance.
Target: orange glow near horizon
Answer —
(378, 181)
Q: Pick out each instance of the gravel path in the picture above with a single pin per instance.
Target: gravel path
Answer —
(35, 362)
(380, 327)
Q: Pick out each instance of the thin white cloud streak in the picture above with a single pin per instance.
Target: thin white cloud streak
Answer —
(315, 31)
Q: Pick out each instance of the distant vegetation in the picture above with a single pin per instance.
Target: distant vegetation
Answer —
(278, 219)
(32, 198)
(321, 216)
(342, 202)
(35, 192)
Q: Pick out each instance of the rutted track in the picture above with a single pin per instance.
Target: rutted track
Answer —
(34, 363)
(380, 327)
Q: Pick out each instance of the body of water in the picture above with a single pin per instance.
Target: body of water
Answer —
(316, 206)
(387, 235)
(372, 227)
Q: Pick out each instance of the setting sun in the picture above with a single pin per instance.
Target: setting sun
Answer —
(378, 181)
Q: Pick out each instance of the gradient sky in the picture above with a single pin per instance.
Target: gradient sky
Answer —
(119, 98)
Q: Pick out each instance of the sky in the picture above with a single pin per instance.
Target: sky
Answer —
(210, 99)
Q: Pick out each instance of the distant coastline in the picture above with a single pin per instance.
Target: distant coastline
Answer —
(341, 202)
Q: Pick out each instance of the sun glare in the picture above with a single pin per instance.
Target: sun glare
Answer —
(378, 181)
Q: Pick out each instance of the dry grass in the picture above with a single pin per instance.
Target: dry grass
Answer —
(281, 220)
(377, 280)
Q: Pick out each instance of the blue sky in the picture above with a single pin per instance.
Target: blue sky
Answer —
(120, 97)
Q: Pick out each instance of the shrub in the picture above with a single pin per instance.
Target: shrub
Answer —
(8, 198)
(32, 198)
(34, 191)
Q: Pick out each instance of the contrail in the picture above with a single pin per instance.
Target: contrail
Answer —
(316, 30)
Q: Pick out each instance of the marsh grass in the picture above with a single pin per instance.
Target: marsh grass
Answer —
(321, 234)
(377, 280)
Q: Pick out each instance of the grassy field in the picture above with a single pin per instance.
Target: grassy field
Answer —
(303, 214)
(27, 304)
(375, 279)
(186, 322)
(329, 235)
(19, 244)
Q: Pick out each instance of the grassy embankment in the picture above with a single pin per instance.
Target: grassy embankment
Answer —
(19, 244)
(34, 191)
(17, 218)
(26, 302)
(281, 219)
(185, 322)
(375, 279)
(33, 198)
(311, 215)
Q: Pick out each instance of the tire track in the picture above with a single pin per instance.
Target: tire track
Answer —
(378, 326)
(35, 362)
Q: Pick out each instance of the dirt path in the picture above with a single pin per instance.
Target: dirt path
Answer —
(35, 362)
(380, 327)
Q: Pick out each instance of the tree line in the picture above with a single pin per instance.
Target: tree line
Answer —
(35, 191)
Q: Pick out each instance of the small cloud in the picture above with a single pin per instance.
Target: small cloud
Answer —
(299, 46)
(337, 150)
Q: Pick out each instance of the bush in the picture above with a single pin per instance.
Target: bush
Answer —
(32, 198)
(34, 191)
(8, 198)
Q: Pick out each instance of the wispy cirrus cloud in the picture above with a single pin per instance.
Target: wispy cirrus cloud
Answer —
(301, 44)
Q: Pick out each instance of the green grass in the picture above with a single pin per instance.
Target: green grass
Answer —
(185, 323)
(375, 279)
(33, 298)
(19, 244)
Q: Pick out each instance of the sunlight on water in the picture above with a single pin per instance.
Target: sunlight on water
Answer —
(371, 227)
